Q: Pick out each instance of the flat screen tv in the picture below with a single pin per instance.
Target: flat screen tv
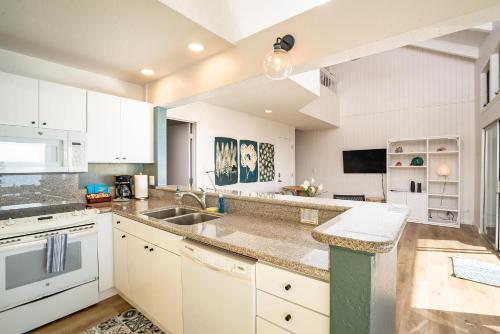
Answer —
(365, 161)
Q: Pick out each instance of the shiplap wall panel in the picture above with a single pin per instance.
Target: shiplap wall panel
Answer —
(407, 92)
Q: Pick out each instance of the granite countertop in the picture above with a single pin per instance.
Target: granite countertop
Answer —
(285, 244)
(365, 227)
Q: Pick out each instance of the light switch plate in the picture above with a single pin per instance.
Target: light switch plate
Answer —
(309, 216)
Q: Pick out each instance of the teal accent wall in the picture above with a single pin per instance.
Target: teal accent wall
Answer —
(350, 291)
(104, 173)
(160, 149)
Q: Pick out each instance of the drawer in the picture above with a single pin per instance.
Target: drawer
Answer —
(290, 316)
(265, 327)
(300, 289)
(160, 238)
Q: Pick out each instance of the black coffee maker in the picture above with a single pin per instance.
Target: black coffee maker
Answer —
(123, 187)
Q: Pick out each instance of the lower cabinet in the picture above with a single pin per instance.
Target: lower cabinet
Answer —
(148, 275)
(290, 301)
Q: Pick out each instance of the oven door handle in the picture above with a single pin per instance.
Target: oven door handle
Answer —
(90, 231)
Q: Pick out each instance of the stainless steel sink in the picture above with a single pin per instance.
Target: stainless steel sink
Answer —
(169, 212)
(192, 218)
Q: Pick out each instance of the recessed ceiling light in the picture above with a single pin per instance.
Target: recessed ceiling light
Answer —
(196, 47)
(147, 71)
(268, 111)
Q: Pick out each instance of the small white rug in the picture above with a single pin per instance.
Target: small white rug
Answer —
(477, 271)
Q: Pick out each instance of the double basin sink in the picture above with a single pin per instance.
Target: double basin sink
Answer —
(180, 215)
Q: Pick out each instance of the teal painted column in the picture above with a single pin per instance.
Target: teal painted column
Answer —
(160, 145)
(362, 292)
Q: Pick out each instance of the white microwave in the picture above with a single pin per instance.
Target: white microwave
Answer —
(26, 150)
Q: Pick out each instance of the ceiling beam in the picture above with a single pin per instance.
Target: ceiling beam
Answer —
(456, 49)
(335, 32)
(487, 27)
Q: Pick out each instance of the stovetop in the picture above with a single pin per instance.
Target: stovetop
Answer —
(41, 210)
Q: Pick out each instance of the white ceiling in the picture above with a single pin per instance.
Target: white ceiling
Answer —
(284, 97)
(234, 20)
(112, 37)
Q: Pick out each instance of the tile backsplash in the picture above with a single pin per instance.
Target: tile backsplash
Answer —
(45, 189)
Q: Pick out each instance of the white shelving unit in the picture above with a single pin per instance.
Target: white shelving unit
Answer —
(439, 201)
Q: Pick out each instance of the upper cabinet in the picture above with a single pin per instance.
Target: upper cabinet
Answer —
(18, 100)
(62, 107)
(136, 131)
(103, 133)
(119, 130)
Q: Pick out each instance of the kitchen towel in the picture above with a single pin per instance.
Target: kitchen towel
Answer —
(57, 246)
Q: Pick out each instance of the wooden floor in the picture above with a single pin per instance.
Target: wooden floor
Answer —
(429, 299)
(91, 316)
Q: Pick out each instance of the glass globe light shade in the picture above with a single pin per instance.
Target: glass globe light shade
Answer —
(277, 64)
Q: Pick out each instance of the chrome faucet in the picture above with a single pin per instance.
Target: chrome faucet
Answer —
(202, 199)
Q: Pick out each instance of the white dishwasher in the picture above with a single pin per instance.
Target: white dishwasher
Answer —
(218, 291)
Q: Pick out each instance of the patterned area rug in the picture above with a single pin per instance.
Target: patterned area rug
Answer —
(130, 321)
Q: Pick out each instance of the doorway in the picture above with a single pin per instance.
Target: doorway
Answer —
(181, 162)
(490, 184)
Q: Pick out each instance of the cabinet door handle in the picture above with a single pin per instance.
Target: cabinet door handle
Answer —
(118, 222)
(288, 317)
(124, 158)
(288, 287)
(146, 247)
(123, 236)
(117, 158)
(44, 123)
(33, 122)
(151, 249)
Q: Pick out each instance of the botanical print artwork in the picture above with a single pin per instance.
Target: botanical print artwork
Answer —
(266, 162)
(249, 168)
(226, 161)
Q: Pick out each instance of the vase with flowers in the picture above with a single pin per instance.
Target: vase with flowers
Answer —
(310, 189)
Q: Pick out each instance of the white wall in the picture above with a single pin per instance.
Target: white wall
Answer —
(407, 92)
(484, 117)
(20, 64)
(213, 121)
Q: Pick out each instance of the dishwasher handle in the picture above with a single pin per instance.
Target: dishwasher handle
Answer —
(233, 270)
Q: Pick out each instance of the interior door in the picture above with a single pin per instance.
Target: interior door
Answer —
(18, 100)
(103, 132)
(284, 162)
(490, 185)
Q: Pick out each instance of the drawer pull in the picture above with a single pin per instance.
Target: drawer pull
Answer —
(146, 247)
(288, 317)
(151, 249)
(288, 287)
(118, 222)
(123, 236)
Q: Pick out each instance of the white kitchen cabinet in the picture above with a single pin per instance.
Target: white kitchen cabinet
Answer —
(18, 100)
(149, 275)
(297, 303)
(103, 132)
(119, 130)
(62, 107)
(136, 131)
(120, 261)
(105, 251)
(155, 283)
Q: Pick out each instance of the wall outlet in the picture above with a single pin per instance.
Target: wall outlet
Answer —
(309, 216)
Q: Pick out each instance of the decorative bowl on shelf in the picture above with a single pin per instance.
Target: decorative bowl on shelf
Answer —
(417, 161)
(398, 164)
(399, 149)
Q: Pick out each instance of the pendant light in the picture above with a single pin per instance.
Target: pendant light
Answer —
(278, 63)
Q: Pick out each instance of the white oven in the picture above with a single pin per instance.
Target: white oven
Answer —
(32, 150)
(23, 275)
